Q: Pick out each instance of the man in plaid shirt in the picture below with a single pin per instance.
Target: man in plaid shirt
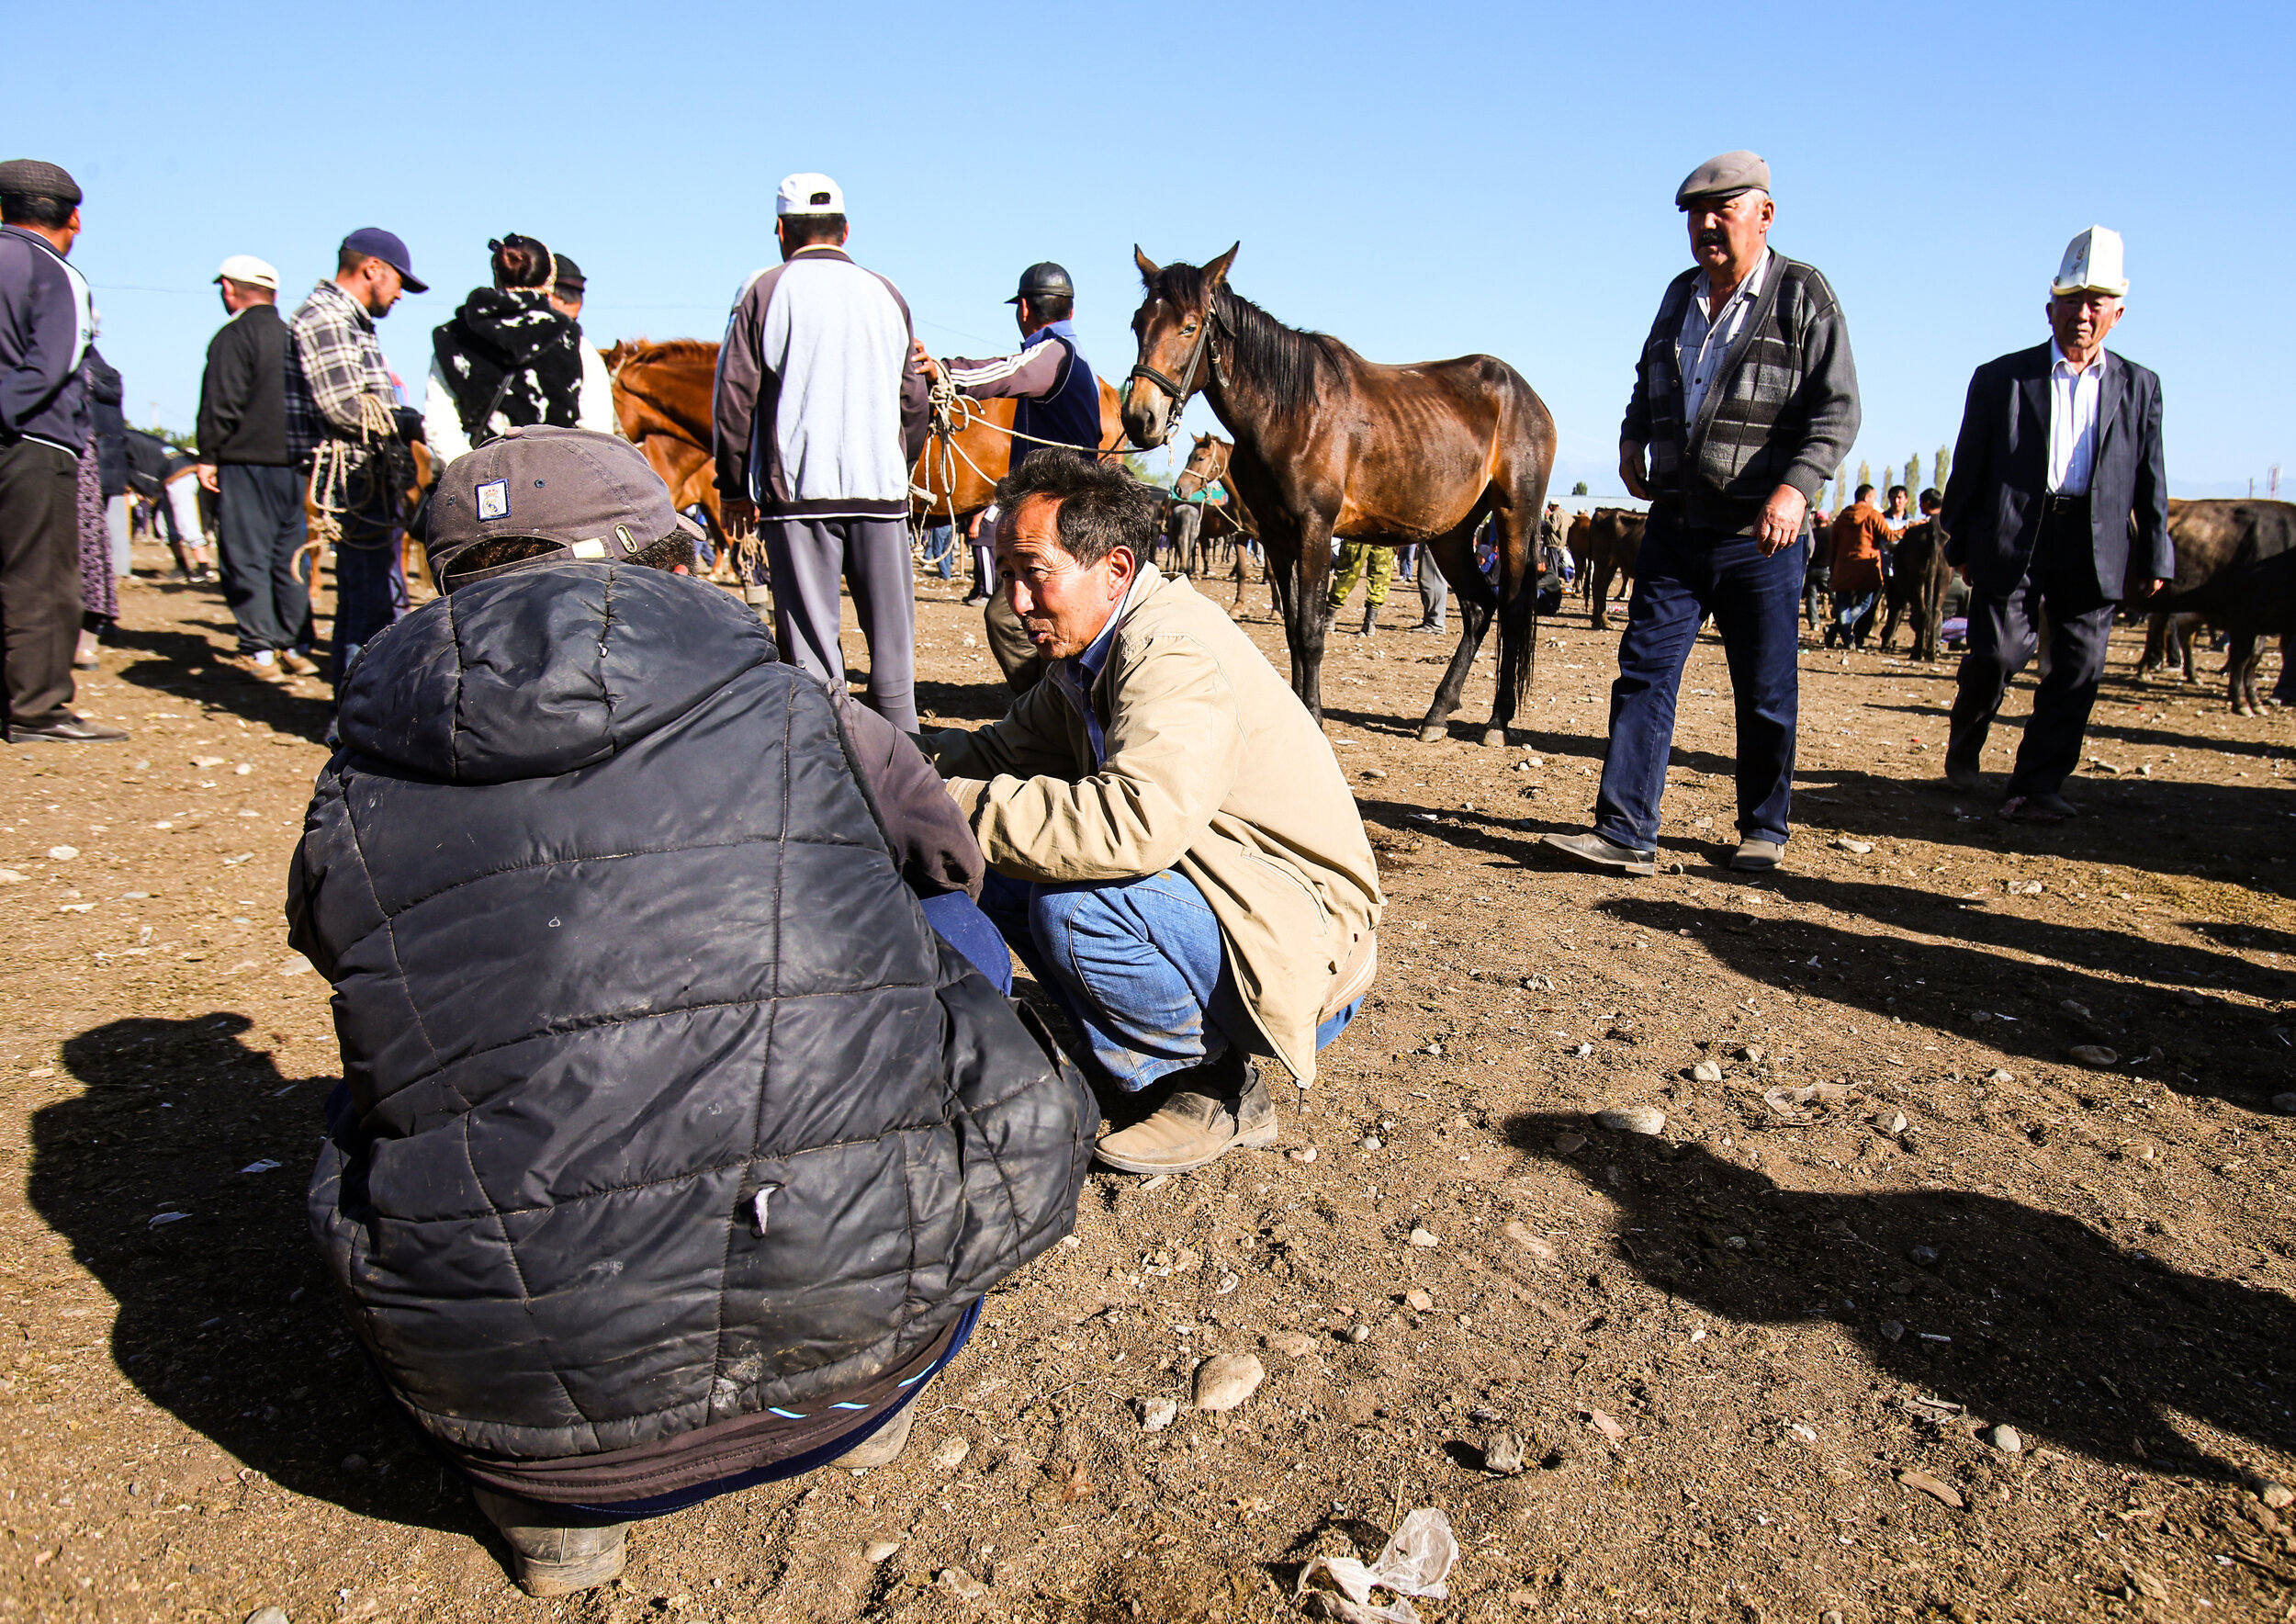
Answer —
(336, 367)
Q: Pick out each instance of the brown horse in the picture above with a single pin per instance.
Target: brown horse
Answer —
(662, 399)
(1329, 443)
(960, 476)
(1226, 519)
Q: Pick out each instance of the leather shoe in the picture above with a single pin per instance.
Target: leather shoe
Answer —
(66, 730)
(1757, 856)
(2050, 808)
(1591, 850)
(883, 1447)
(1198, 1125)
(555, 1549)
(301, 665)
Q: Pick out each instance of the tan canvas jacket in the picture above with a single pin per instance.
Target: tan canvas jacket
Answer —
(1215, 769)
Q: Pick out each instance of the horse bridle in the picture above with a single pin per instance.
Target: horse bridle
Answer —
(1181, 390)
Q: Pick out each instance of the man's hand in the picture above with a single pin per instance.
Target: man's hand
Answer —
(1782, 517)
(923, 362)
(2153, 587)
(1631, 469)
(738, 514)
(207, 479)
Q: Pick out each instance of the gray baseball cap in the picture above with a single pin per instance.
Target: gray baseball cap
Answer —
(591, 495)
(1721, 178)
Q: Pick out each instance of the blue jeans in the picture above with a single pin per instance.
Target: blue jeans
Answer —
(959, 922)
(1681, 577)
(1140, 967)
(941, 550)
(370, 589)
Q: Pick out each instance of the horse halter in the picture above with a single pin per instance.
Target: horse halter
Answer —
(1181, 390)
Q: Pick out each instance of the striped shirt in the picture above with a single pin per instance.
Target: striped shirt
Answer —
(1706, 338)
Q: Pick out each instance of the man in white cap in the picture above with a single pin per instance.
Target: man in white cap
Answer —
(243, 460)
(2058, 501)
(819, 411)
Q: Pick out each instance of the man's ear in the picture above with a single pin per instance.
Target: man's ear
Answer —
(680, 570)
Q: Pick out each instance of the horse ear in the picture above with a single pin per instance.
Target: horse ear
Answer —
(1216, 273)
(1149, 268)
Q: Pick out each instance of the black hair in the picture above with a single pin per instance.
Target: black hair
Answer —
(25, 209)
(1861, 492)
(800, 231)
(1051, 307)
(669, 553)
(1897, 490)
(521, 262)
(1101, 508)
(349, 259)
(1929, 497)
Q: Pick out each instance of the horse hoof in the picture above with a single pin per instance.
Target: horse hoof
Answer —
(1433, 733)
(1494, 738)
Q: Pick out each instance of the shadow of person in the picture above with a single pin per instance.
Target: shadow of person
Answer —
(170, 658)
(2018, 1315)
(226, 1319)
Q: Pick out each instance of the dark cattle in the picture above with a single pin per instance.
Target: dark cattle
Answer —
(1919, 576)
(1613, 536)
(2167, 643)
(2235, 565)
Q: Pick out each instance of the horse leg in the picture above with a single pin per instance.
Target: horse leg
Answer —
(1307, 612)
(1455, 555)
(1512, 529)
(2239, 661)
(1598, 590)
(2180, 639)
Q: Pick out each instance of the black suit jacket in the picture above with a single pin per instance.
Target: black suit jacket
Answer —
(2001, 472)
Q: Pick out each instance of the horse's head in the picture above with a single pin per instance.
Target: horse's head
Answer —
(1205, 464)
(1174, 327)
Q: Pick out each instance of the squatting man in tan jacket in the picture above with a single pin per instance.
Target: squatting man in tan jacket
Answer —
(1173, 850)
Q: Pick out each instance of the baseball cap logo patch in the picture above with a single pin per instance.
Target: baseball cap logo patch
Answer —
(494, 499)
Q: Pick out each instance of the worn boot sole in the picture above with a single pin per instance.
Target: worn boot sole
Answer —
(543, 1580)
(1259, 1139)
(882, 1448)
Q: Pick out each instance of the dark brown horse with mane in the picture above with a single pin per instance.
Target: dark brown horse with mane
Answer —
(1329, 443)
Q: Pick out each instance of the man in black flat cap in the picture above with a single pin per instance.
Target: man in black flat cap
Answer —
(1058, 399)
(47, 322)
(1745, 401)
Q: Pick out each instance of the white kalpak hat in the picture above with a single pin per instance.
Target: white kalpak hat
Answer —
(2092, 265)
(247, 268)
(809, 194)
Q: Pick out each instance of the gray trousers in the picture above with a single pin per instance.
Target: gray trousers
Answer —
(808, 557)
(1434, 593)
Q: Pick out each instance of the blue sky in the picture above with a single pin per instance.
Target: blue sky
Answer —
(1422, 180)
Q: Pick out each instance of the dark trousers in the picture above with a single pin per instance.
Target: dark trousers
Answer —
(2062, 574)
(807, 557)
(1681, 577)
(39, 578)
(259, 524)
(370, 589)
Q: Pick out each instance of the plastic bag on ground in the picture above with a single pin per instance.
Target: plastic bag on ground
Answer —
(1415, 1561)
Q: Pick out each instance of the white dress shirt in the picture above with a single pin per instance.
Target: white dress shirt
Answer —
(2073, 399)
(1705, 341)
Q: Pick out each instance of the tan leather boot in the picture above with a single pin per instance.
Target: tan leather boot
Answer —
(1197, 1125)
(555, 1551)
(882, 1448)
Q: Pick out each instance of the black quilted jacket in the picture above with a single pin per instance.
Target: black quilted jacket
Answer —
(664, 1103)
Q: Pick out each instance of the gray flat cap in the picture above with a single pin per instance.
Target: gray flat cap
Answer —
(1723, 177)
(30, 177)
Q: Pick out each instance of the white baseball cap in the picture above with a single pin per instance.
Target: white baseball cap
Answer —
(2092, 265)
(247, 268)
(810, 194)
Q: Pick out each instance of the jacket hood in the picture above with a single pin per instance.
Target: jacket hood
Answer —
(545, 670)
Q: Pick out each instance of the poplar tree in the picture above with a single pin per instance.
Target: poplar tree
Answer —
(1944, 463)
(1913, 475)
(1865, 473)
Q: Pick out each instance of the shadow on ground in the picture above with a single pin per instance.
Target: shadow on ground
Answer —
(2024, 1316)
(226, 1319)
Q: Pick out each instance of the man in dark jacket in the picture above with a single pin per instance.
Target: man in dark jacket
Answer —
(243, 460)
(46, 325)
(1745, 401)
(2058, 499)
(675, 1149)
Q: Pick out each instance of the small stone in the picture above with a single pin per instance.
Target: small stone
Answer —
(1707, 1071)
(1899, 1288)
(1750, 1053)
(1923, 1256)
(1893, 1331)
(1419, 1238)
(949, 1454)
(354, 1463)
(1374, 773)
(1632, 1119)
(62, 853)
(877, 1550)
(1530, 1243)
(1226, 1380)
(2093, 1054)
(1503, 1453)
(1830, 1616)
(8, 876)
(956, 1580)
(242, 769)
(1296, 1343)
(2004, 1437)
(267, 1615)
(1998, 1076)
(1860, 847)
(1359, 1333)
(1943, 1492)
(1370, 1141)
(2283, 1103)
(1570, 1144)
(1302, 1153)
(1156, 1414)
(2075, 1009)
(2277, 1496)
(1607, 1426)
(1420, 1301)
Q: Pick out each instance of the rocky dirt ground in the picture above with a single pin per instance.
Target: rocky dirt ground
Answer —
(1754, 1361)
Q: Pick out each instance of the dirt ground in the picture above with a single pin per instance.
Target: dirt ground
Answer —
(1725, 1346)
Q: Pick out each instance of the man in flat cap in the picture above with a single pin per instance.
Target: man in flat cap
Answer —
(2058, 499)
(47, 322)
(1745, 401)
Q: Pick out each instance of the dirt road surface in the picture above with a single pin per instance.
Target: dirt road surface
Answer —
(1754, 1361)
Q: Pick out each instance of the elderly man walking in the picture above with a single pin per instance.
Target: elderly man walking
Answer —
(1745, 401)
(2058, 501)
(1173, 851)
(47, 322)
(818, 413)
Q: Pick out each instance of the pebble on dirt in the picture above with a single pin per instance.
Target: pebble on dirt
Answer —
(1226, 1380)
(1419, 1238)
(878, 1550)
(267, 1615)
(1296, 1344)
(1892, 1330)
(1943, 1492)
(1503, 1453)
(62, 853)
(1570, 1144)
(2093, 1054)
(1632, 1119)
(1707, 1071)
(2004, 1437)
(1156, 1414)
(959, 1582)
(1530, 1243)
(949, 1453)
(1419, 1300)
(1358, 1332)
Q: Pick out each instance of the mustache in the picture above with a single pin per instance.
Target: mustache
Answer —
(1713, 239)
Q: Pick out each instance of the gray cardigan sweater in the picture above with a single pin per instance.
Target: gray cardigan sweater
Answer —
(1785, 410)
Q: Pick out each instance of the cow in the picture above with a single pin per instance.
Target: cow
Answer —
(2236, 566)
(1611, 538)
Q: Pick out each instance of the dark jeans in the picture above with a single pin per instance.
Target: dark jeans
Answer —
(370, 589)
(259, 525)
(957, 921)
(1681, 577)
(2062, 575)
(39, 578)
